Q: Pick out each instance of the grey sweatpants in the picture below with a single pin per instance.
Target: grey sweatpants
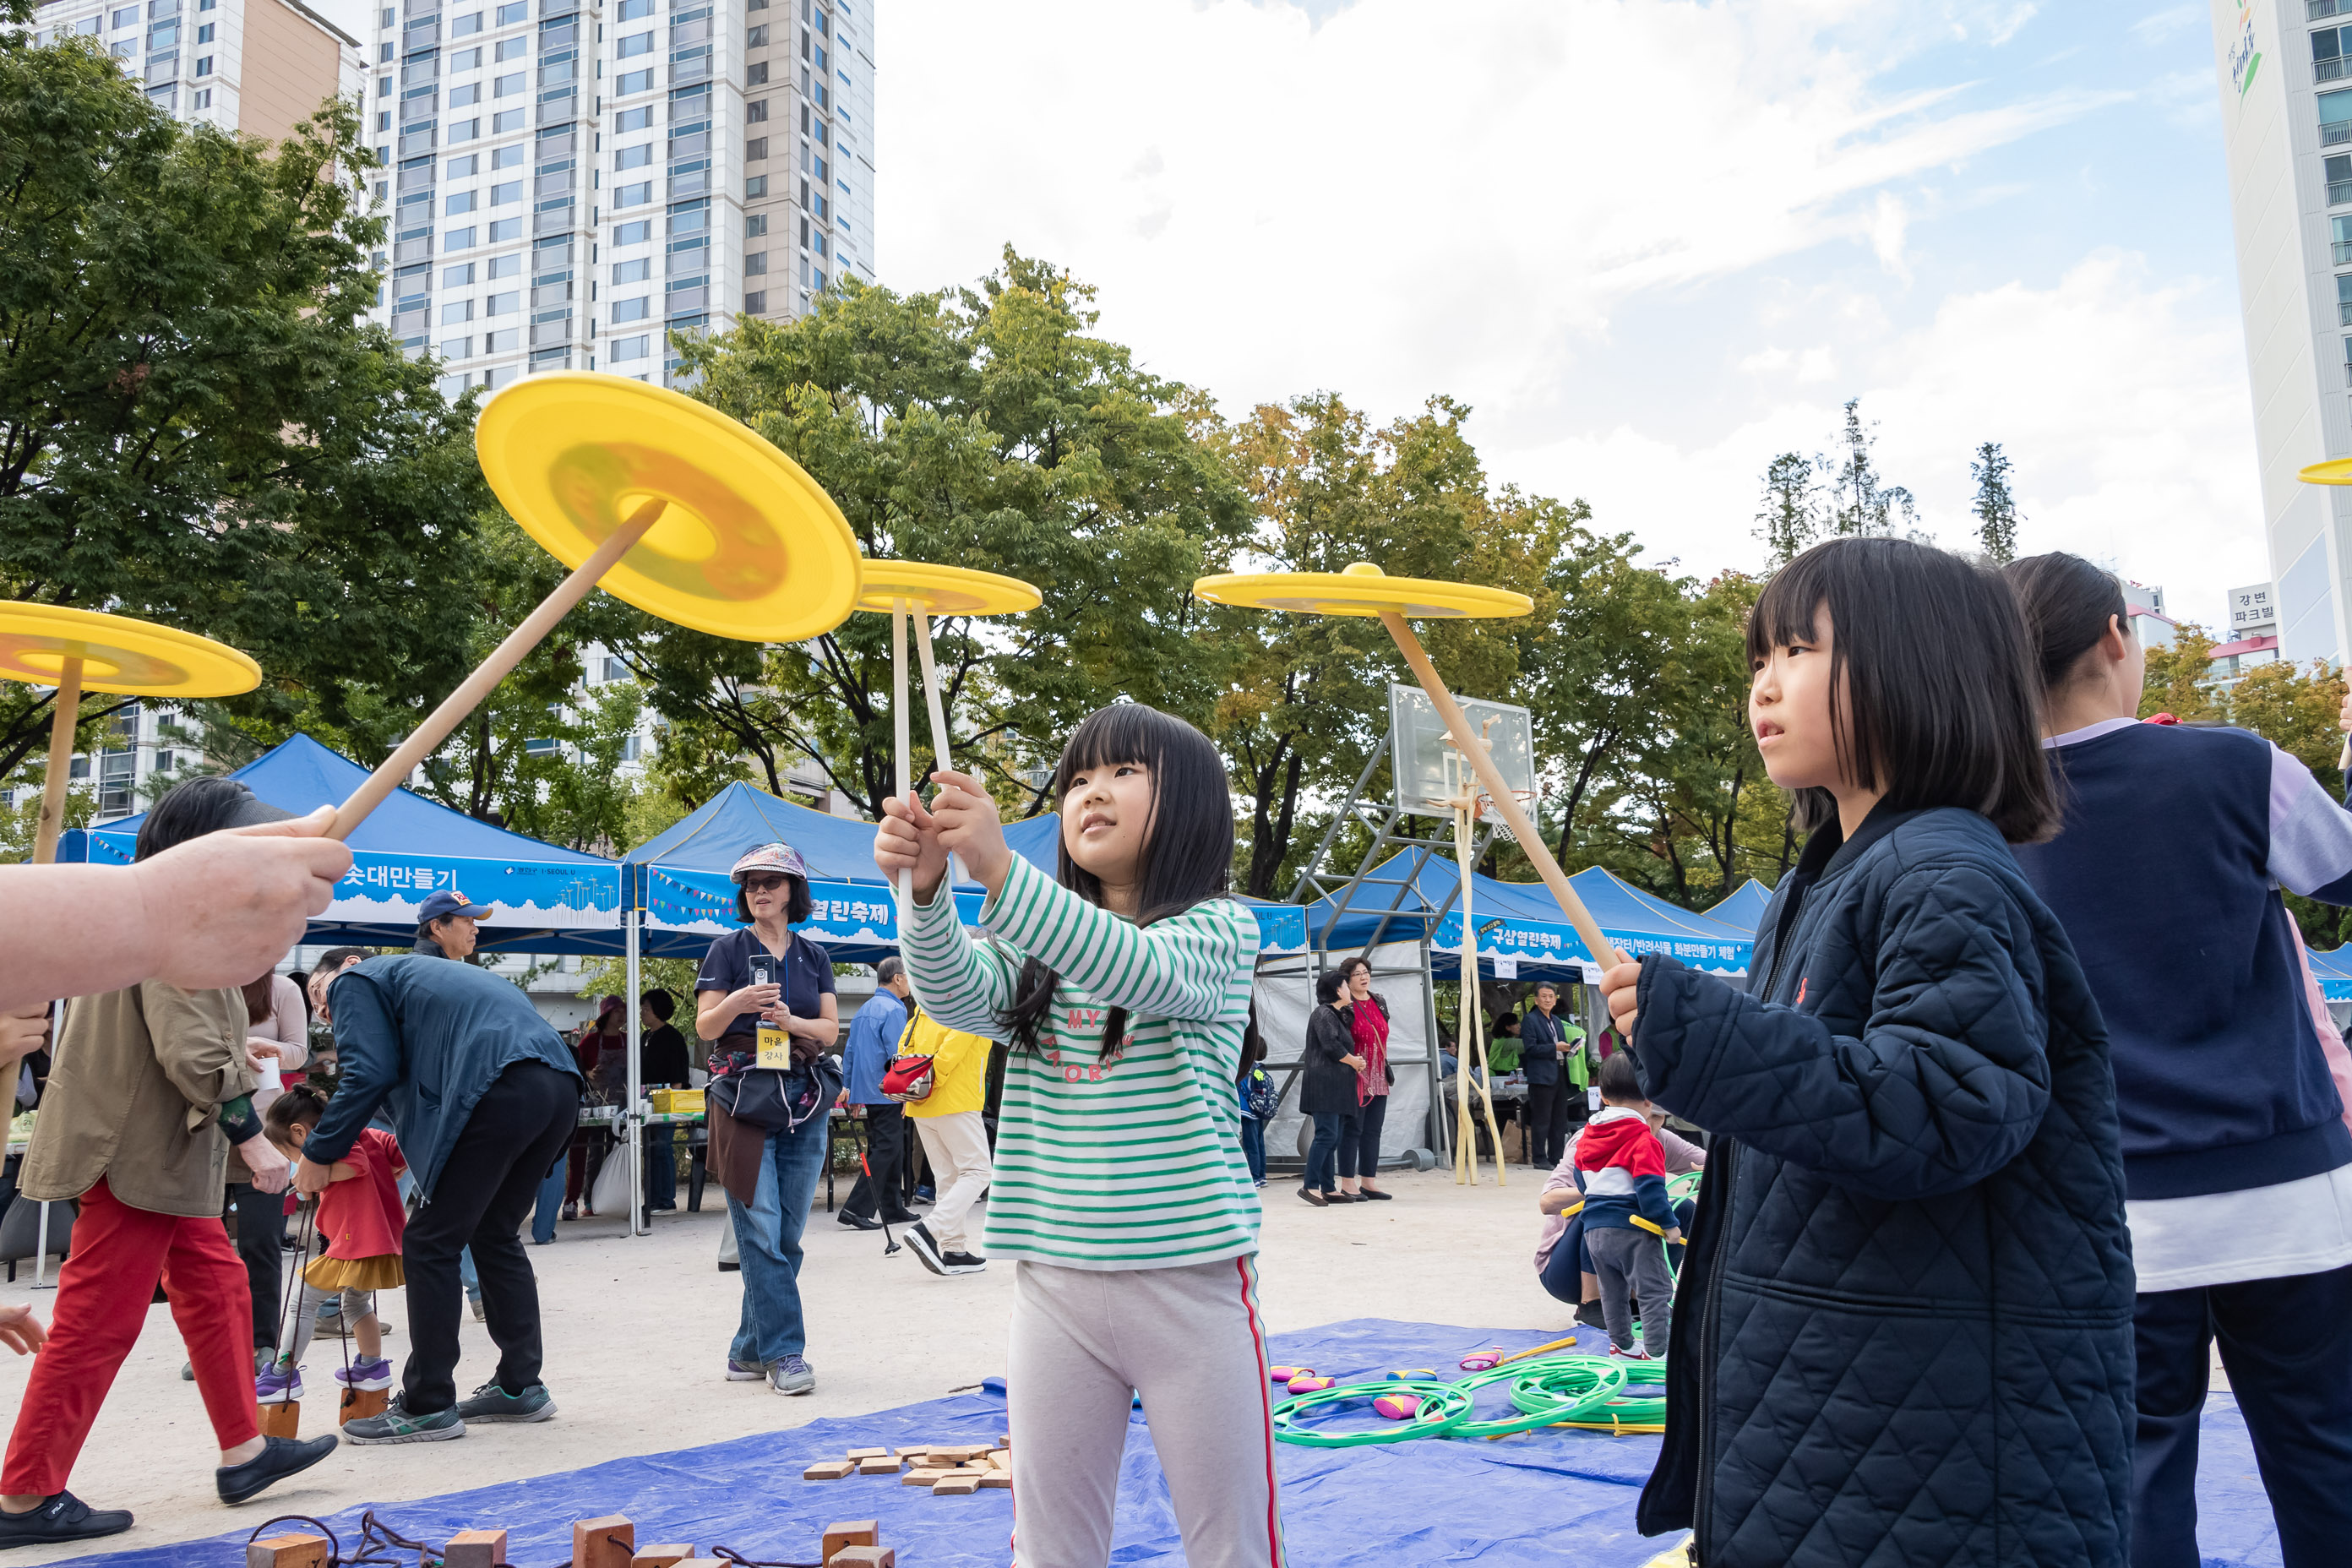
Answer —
(1191, 1342)
(1630, 1262)
(356, 1304)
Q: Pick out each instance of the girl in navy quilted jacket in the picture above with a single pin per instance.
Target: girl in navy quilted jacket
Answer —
(1903, 1331)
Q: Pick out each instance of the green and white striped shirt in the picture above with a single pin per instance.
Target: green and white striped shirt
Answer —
(1132, 1162)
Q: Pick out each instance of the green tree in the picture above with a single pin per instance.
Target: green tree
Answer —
(1302, 697)
(2178, 677)
(990, 426)
(1789, 516)
(1996, 507)
(1859, 501)
(197, 424)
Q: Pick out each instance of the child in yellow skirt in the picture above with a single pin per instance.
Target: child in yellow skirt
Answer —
(363, 1219)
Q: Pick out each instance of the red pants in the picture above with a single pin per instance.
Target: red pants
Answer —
(103, 1292)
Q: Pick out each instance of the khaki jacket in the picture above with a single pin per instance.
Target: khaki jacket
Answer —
(135, 1098)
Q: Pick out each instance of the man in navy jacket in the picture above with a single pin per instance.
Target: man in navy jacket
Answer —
(484, 1097)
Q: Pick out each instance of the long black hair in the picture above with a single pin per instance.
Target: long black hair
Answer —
(1188, 844)
(2068, 603)
(1933, 690)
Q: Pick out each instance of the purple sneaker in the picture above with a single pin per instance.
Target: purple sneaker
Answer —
(279, 1384)
(366, 1374)
(744, 1371)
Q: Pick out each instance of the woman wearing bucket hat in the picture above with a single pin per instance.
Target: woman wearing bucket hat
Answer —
(765, 999)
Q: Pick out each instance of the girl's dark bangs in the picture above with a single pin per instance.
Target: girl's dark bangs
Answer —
(1122, 732)
(1785, 613)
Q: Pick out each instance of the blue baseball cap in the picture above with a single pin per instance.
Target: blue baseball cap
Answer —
(440, 906)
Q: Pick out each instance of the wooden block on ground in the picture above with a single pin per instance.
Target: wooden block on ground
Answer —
(963, 1451)
(998, 1479)
(830, 1470)
(847, 1533)
(359, 1402)
(867, 1453)
(926, 1475)
(882, 1464)
(661, 1556)
(280, 1420)
(476, 1548)
(296, 1550)
(960, 1484)
(862, 1557)
(1005, 1440)
(606, 1542)
(1001, 1458)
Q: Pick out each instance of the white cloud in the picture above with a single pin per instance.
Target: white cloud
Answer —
(2121, 400)
(2154, 29)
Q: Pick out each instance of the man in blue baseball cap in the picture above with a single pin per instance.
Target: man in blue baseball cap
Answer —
(444, 925)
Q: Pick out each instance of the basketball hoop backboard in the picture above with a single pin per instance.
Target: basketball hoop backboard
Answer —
(1431, 775)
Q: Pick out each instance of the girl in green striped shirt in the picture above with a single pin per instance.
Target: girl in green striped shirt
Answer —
(1121, 1195)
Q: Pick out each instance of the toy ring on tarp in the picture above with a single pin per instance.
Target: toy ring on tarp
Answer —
(1443, 1407)
(746, 546)
(1363, 589)
(943, 590)
(82, 650)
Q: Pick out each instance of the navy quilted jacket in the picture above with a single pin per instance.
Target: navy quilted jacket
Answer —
(1903, 1334)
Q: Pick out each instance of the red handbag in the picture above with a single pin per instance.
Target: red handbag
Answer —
(906, 1077)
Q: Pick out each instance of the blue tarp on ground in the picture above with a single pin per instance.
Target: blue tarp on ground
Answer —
(680, 878)
(1542, 1499)
(1520, 920)
(1744, 910)
(541, 898)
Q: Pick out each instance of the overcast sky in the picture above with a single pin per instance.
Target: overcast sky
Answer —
(1651, 244)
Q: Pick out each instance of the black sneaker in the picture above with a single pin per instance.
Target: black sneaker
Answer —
(960, 1263)
(1588, 1313)
(279, 1458)
(62, 1518)
(397, 1425)
(858, 1221)
(927, 1250)
(492, 1403)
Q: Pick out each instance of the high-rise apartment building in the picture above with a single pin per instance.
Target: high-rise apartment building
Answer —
(569, 182)
(261, 66)
(2287, 118)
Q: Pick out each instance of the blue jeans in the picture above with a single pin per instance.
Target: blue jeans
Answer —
(768, 1242)
(661, 1167)
(466, 1276)
(1323, 1154)
(548, 1205)
(1254, 1146)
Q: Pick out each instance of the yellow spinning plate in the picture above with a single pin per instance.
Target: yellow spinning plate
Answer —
(747, 545)
(82, 650)
(118, 655)
(661, 501)
(1363, 589)
(2335, 472)
(943, 590)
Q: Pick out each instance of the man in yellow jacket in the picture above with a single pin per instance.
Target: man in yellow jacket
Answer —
(955, 1141)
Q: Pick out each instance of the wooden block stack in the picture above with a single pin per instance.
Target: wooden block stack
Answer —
(662, 1556)
(950, 1469)
(282, 1420)
(862, 1557)
(839, 1538)
(607, 1542)
(476, 1548)
(298, 1551)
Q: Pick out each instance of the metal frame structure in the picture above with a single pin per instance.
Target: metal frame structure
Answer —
(1393, 829)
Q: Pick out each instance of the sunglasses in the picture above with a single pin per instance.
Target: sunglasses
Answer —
(767, 883)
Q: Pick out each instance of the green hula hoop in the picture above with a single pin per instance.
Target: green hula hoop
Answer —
(1616, 1411)
(1604, 1379)
(1444, 1406)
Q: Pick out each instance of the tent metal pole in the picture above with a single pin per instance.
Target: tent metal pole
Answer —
(640, 1222)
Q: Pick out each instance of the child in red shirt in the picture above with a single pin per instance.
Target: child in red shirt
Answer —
(361, 1218)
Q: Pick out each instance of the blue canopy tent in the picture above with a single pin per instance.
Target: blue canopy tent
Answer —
(1521, 921)
(2333, 972)
(1744, 910)
(541, 898)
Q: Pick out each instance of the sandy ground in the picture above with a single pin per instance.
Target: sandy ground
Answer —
(637, 1329)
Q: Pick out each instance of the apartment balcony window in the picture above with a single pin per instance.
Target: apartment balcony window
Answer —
(2320, 10)
(2328, 54)
(2338, 169)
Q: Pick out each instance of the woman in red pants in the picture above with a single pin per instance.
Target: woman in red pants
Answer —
(151, 1088)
